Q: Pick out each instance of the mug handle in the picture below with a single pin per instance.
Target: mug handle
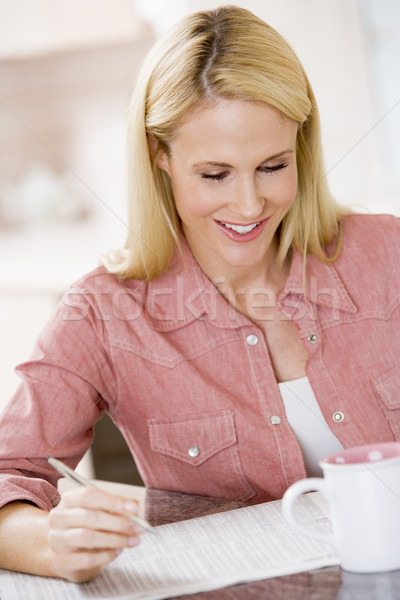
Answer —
(312, 484)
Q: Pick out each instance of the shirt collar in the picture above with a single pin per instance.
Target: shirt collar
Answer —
(324, 287)
(184, 293)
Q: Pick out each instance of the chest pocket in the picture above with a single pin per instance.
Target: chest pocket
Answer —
(200, 452)
(387, 388)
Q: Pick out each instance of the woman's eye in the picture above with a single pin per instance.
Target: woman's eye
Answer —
(223, 174)
(214, 176)
(273, 169)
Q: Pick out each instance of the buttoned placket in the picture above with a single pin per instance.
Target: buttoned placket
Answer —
(310, 333)
(303, 314)
(271, 405)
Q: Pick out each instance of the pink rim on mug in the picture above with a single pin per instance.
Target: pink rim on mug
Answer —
(363, 455)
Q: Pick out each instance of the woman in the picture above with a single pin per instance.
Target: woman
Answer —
(240, 274)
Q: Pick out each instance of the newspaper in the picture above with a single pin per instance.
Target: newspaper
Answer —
(211, 552)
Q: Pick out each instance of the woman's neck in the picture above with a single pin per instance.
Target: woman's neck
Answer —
(236, 281)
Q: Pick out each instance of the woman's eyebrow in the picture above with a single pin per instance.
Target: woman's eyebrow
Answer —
(212, 163)
(278, 155)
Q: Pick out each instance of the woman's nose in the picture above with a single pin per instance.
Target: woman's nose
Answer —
(248, 201)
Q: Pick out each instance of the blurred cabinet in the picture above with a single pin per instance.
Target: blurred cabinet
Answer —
(37, 27)
(67, 69)
(111, 458)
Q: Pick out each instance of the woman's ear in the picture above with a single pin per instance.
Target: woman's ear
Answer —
(152, 143)
(156, 153)
(162, 162)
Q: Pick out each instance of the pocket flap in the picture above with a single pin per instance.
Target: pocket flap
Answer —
(388, 388)
(193, 438)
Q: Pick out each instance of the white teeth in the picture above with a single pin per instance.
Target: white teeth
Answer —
(241, 228)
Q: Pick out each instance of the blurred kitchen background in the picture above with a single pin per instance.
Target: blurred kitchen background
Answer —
(67, 68)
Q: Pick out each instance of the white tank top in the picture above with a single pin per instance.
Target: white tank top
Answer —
(308, 423)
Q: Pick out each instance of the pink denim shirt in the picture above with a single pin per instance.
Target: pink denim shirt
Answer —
(189, 381)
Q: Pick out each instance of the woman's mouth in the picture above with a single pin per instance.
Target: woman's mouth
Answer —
(242, 233)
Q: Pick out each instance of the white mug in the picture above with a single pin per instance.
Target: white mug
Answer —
(369, 586)
(362, 487)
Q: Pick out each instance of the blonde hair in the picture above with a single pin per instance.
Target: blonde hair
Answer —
(223, 53)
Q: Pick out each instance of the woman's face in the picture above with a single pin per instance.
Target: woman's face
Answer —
(233, 171)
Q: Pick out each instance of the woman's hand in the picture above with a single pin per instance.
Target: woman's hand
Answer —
(87, 530)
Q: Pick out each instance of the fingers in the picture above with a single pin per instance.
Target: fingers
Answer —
(77, 539)
(82, 566)
(65, 518)
(94, 498)
(88, 529)
(88, 512)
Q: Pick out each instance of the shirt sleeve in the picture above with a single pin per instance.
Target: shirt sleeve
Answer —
(65, 386)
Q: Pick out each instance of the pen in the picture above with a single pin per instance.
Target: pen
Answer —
(79, 480)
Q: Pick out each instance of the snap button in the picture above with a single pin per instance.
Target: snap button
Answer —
(252, 339)
(276, 420)
(312, 338)
(193, 451)
(338, 416)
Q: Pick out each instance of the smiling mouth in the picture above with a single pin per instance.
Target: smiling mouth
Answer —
(241, 229)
